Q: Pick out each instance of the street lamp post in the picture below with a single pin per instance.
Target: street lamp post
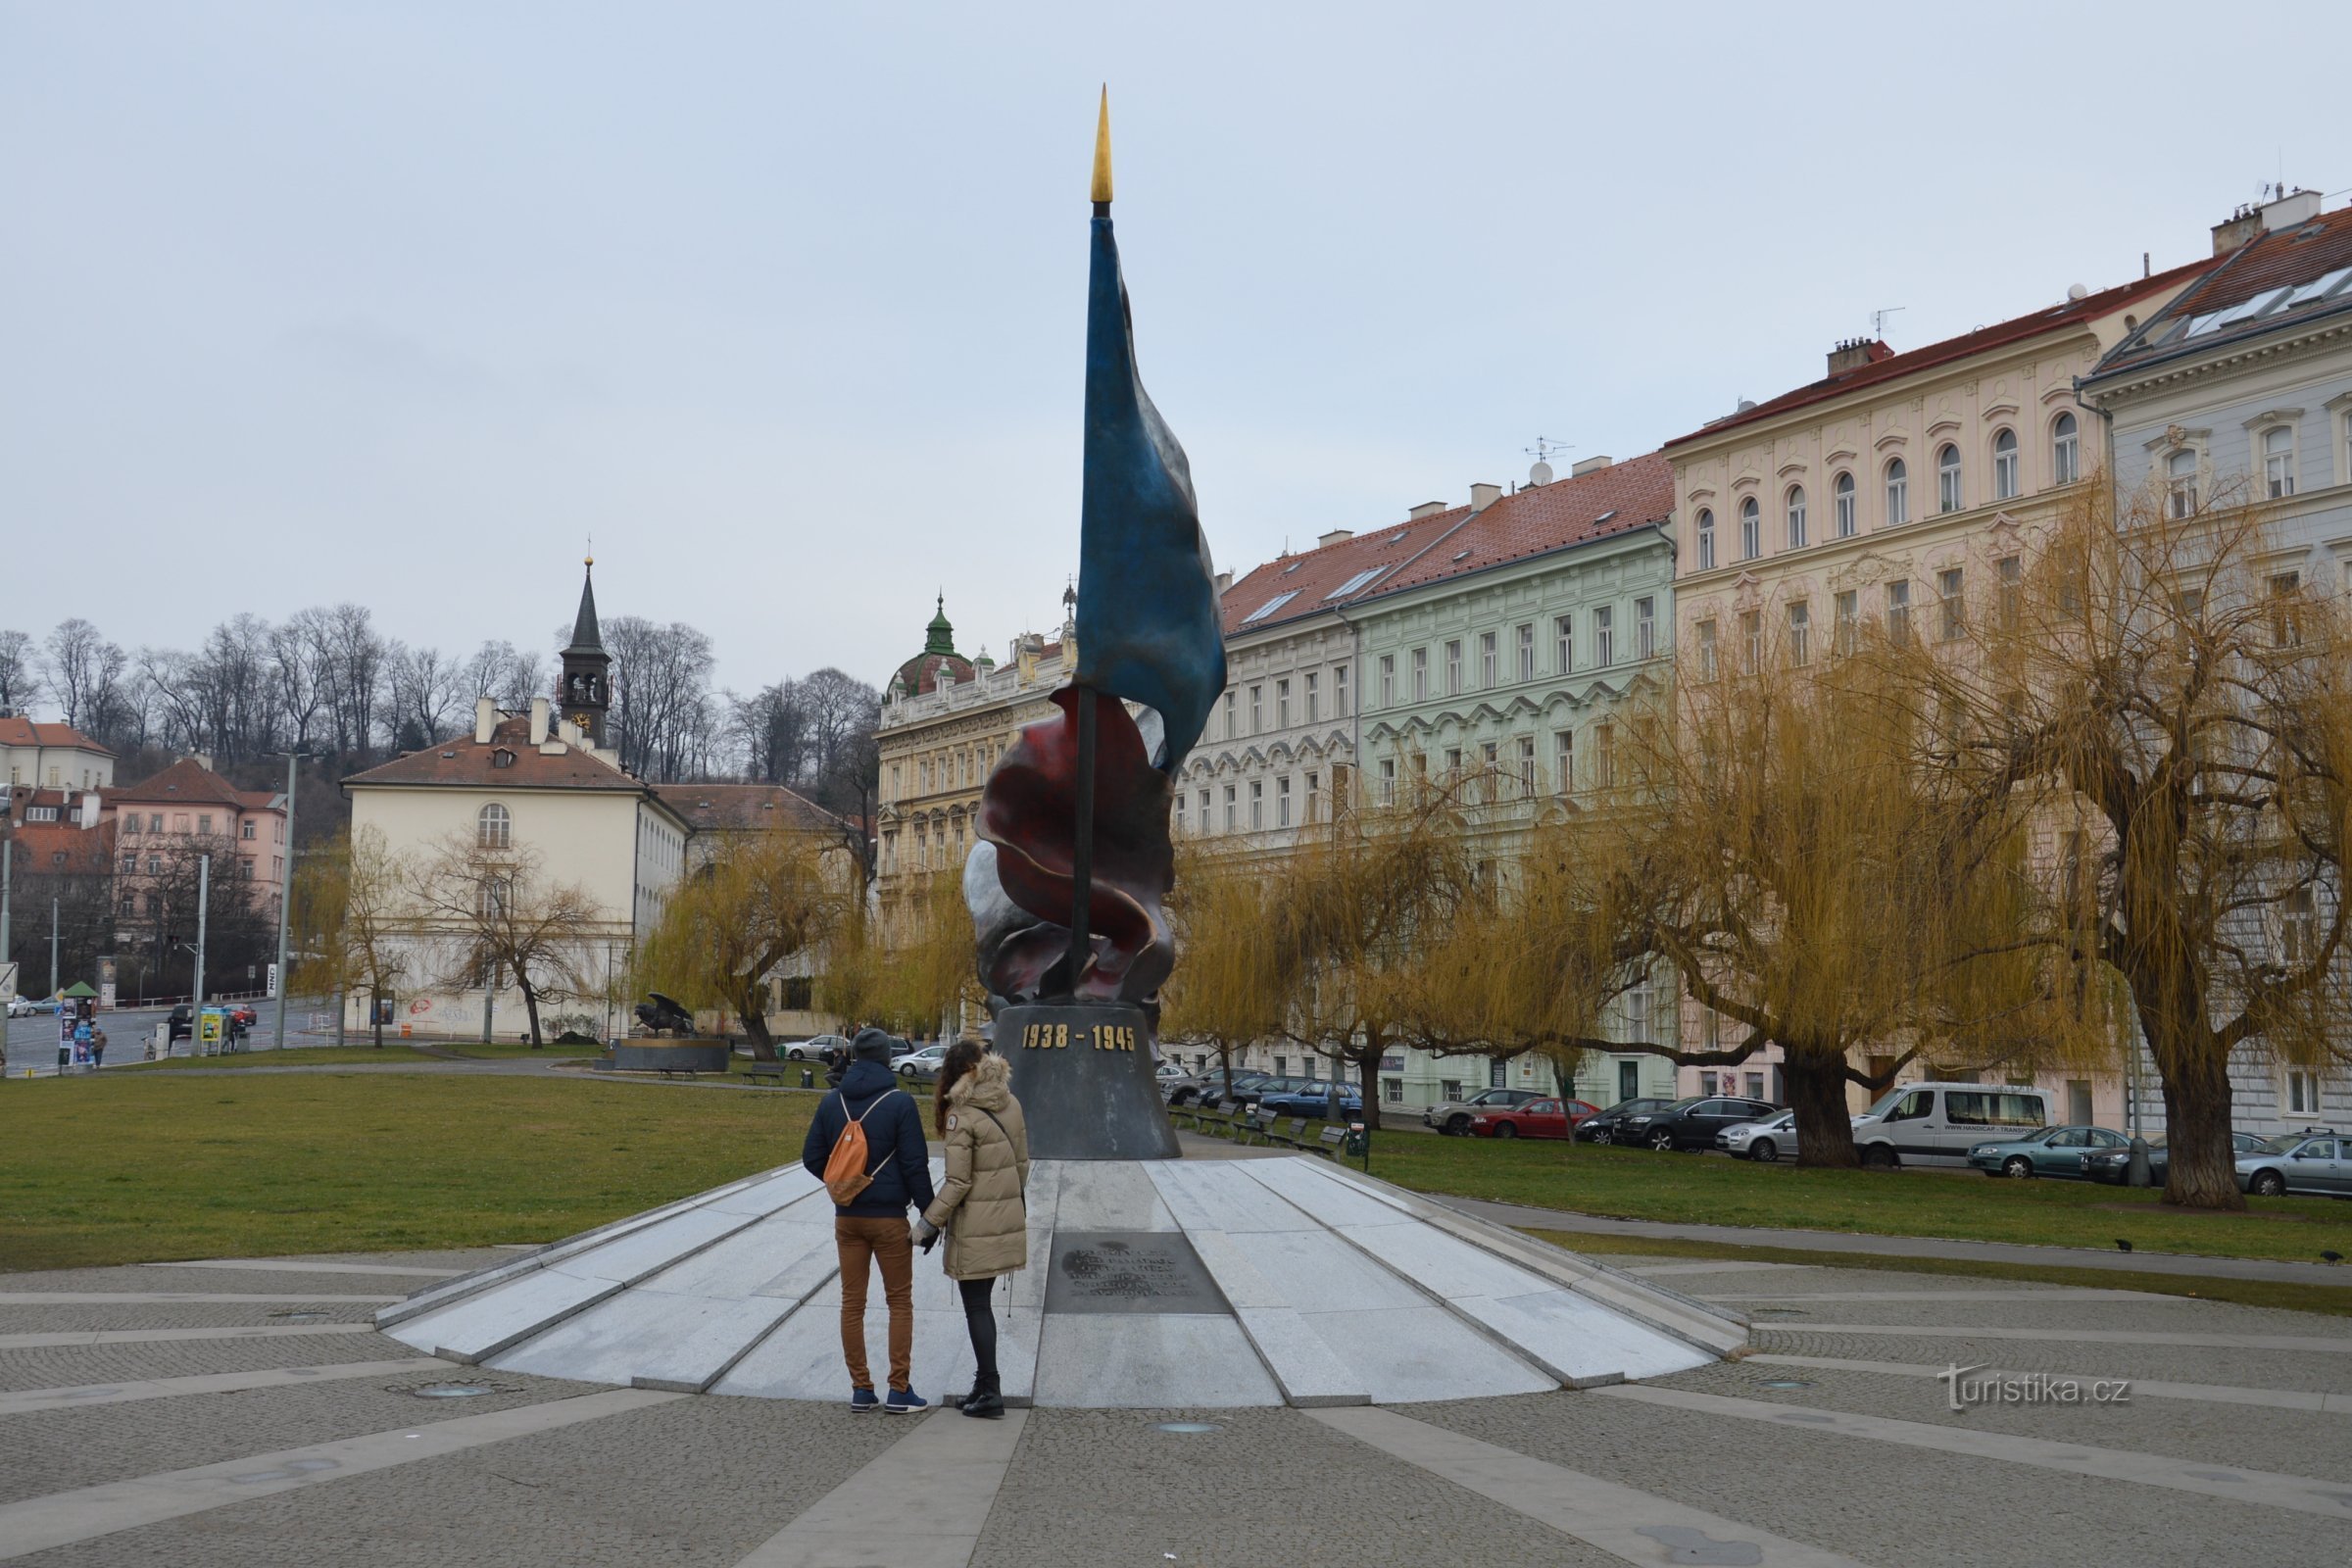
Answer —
(285, 890)
(204, 899)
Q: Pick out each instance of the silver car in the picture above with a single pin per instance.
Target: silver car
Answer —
(2314, 1161)
(1760, 1140)
(1452, 1116)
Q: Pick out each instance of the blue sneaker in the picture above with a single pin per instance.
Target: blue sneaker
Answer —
(904, 1401)
(863, 1401)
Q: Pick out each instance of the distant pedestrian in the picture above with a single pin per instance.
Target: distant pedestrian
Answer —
(983, 1206)
(870, 1117)
(97, 1047)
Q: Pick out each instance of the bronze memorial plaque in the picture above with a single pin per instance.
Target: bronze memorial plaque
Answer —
(1129, 1271)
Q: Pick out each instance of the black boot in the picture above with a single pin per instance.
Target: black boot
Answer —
(986, 1400)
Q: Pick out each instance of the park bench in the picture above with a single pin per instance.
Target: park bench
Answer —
(1332, 1139)
(758, 1070)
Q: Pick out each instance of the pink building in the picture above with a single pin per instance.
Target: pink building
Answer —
(189, 810)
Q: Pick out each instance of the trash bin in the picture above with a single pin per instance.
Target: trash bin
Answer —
(808, 1078)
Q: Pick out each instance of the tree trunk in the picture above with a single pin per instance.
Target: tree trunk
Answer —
(530, 1007)
(755, 1024)
(2201, 1166)
(1367, 1072)
(1825, 1132)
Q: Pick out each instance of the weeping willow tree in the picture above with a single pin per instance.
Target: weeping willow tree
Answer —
(762, 901)
(1352, 917)
(2174, 704)
(1787, 851)
(1227, 988)
(350, 921)
(911, 969)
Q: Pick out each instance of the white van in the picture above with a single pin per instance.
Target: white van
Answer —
(1937, 1124)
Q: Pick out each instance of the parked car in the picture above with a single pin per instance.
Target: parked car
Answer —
(1689, 1123)
(1549, 1117)
(2115, 1164)
(1760, 1140)
(1204, 1088)
(1939, 1123)
(1315, 1099)
(2045, 1151)
(1453, 1116)
(182, 1027)
(922, 1065)
(1251, 1094)
(242, 1016)
(26, 1007)
(1603, 1128)
(817, 1047)
(2299, 1162)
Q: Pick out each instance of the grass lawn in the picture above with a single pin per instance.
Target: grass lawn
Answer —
(2244, 1292)
(149, 1166)
(393, 1052)
(1693, 1189)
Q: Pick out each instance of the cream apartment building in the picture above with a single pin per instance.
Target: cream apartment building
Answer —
(1900, 490)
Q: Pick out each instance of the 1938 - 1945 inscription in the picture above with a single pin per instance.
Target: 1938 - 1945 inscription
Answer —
(1062, 1036)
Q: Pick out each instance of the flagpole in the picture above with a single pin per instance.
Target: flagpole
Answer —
(1082, 842)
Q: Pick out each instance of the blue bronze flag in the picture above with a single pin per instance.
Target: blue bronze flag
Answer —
(1148, 622)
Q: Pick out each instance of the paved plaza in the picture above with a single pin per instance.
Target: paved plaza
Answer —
(245, 1412)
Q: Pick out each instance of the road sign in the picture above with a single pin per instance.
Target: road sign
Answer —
(209, 1029)
(272, 988)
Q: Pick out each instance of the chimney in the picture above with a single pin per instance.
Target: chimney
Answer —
(1427, 508)
(2284, 211)
(1482, 496)
(1334, 536)
(1589, 465)
(1224, 580)
(1853, 353)
(485, 719)
(538, 721)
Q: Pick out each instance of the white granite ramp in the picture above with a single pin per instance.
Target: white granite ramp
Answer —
(1174, 1284)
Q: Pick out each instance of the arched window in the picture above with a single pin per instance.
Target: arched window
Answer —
(1842, 493)
(1947, 477)
(490, 898)
(1752, 529)
(2181, 482)
(2066, 450)
(493, 829)
(2279, 461)
(1706, 539)
(1898, 493)
(2004, 466)
(1796, 517)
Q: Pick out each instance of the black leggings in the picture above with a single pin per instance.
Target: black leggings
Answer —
(983, 1328)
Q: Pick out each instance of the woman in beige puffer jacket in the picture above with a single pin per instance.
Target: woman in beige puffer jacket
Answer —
(981, 1206)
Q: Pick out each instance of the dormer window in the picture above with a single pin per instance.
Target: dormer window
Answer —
(502, 757)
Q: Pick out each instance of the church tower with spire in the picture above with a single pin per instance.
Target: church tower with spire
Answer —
(584, 689)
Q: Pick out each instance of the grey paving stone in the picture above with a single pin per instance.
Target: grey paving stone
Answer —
(1886, 1504)
(59, 1451)
(118, 1316)
(69, 1365)
(691, 1484)
(2253, 1369)
(1105, 1490)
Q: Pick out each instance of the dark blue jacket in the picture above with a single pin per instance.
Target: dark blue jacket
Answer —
(894, 1142)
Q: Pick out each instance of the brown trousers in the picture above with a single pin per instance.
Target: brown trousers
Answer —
(889, 1243)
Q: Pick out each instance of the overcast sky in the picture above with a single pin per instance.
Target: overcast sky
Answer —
(785, 303)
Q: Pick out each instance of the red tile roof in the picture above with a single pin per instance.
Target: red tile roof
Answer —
(746, 808)
(1983, 339)
(463, 760)
(18, 731)
(1312, 576)
(1541, 519)
(185, 781)
(87, 851)
(2297, 254)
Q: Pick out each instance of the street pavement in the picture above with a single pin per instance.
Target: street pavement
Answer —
(32, 1041)
(244, 1412)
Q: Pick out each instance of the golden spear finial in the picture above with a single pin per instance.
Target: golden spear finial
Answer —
(1102, 151)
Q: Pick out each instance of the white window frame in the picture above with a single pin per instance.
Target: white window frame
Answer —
(1705, 630)
(1751, 640)
(1282, 801)
(1844, 502)
(494, 828)
(1800, 633)
(1490, 660)
(1563, 644)
(1453, 666)
(1645, 628)
(2004, 465)
(2065, 449)
(2180, 483)
(1605, 636)
(1527, 652)
(1563, 761)
(1420, 663)
(1312, 695)
(1949, 495)
(2278, 464)
(1796, 510)
(1752, 529)
(1388, 681)
(1898, 492)
(1951, 586)
(1898, 612)
(1705, 533)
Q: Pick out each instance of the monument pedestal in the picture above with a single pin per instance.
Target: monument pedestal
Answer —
(1083, 1074)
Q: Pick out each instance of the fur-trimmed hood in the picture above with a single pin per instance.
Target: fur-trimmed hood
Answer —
(988, 1085)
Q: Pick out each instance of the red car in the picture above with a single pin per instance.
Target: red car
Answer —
(1538, 1118)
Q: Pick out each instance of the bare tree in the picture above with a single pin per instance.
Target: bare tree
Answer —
(81, 670)
(502, 919)
(426, 689)
(20, 674)
(661, 706)
(499, 671)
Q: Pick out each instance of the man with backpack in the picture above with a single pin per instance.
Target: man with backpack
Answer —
(865, 1143)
